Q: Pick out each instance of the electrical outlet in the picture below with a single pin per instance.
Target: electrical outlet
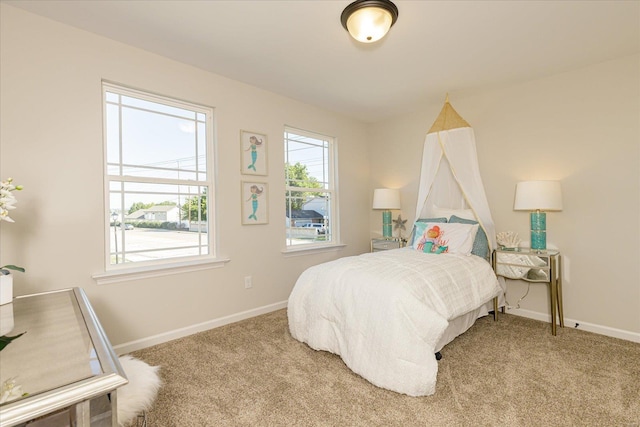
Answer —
(248, 282)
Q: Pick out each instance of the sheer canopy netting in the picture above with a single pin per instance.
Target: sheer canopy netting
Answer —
(450, 175)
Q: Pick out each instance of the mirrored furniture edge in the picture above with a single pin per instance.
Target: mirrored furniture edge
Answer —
(64, 363)
(385, 243)
(534, 266)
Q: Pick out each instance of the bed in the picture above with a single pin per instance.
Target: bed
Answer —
(387, 313)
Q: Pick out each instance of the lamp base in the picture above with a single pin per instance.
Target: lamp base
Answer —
(539, 240)
(538, 230)
(386, 224)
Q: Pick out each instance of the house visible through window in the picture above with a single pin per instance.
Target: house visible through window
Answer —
(310, 193)
(158, 178)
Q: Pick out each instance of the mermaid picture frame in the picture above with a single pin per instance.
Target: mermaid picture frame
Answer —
(255, 203)
(253, 151)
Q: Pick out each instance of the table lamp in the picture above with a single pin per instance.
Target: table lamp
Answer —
(537, 197)
(386, 199)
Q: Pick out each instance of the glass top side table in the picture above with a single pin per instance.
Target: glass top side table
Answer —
(63, 361)
(534, 266)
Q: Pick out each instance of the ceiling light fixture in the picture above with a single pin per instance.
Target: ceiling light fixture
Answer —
(369, 20)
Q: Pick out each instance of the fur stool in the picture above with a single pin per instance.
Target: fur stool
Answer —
(138, 395)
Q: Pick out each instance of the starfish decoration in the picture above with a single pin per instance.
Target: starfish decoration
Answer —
(399, 225)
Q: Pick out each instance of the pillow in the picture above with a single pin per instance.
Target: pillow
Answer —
(436, 237)
(413, 232)
(460, 213)
(443, 219)
(481, 243)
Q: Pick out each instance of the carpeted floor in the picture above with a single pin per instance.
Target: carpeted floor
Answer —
(507, 373)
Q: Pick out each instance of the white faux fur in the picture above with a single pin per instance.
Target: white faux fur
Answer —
(140, 393)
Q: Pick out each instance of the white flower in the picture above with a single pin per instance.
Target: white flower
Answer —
(7, 199)
(10, 391)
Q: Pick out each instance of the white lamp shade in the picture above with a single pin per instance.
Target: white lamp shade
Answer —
(369, 24)
(538, 195)
(386, 198)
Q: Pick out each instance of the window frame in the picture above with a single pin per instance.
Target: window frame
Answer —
(141, 269)
(332, 191)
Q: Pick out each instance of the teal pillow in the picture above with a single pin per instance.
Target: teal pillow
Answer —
(481, 243)
(443, 219)
(413, 232)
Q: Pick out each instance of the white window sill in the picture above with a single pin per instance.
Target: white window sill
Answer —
(309, 250)
(145, 272)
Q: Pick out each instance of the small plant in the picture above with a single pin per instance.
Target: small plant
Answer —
(11, 390)
(4, 270)
(5, 340)
(7, 202)
(7, 199)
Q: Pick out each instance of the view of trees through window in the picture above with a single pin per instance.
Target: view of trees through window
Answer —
(309, 188)
(298, 176)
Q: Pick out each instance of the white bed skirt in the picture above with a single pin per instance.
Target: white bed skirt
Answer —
(460, 325)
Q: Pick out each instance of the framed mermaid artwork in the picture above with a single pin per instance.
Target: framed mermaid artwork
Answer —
(253, 148)
(255, 203)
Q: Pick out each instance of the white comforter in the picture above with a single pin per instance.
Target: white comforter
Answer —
(384, 312)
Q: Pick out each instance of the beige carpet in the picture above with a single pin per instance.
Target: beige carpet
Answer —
(509, 373)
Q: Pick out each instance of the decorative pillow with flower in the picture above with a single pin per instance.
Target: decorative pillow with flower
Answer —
(415, 233)
(452, 238)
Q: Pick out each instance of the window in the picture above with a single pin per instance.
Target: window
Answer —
(159, 179)
(310, 193)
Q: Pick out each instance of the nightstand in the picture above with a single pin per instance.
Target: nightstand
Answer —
(386, 243)
(535, 267)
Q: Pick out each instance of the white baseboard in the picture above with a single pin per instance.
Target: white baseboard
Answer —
(190, 330)
(585, 326)
(216, 323)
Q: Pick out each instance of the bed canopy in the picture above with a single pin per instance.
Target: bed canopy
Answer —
(450, 176)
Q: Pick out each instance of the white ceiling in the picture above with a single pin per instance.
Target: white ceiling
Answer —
(299, 49)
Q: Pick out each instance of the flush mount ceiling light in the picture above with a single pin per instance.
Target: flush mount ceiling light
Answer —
(369, 20)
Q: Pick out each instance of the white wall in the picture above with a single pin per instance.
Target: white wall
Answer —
(51, 142)
(581, 127)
